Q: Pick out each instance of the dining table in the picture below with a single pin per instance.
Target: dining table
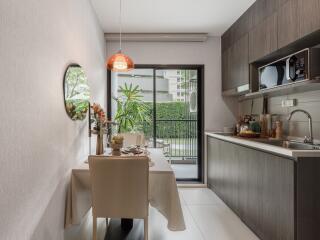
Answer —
(163, 191)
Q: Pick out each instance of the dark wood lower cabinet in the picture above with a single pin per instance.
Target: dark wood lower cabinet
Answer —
(308, 198)
(277, 197)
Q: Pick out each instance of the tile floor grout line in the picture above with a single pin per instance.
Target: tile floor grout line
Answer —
(205, 204)
(194, 220)
(198, 227)
(183, 200)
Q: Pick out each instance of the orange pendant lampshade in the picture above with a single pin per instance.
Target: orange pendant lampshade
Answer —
(120, 62)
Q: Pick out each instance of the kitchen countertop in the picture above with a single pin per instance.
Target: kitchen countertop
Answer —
(292, 153)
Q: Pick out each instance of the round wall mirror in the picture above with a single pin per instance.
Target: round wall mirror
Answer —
(76, 92)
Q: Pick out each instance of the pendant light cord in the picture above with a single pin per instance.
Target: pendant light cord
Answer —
(120, 20)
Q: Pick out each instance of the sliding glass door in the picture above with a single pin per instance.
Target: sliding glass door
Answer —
(171, 102)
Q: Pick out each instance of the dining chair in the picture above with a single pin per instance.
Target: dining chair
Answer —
(133, 139)
(119, 188)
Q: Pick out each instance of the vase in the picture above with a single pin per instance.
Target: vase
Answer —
(99, 147)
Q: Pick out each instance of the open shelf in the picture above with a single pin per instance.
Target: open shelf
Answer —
(298, 87)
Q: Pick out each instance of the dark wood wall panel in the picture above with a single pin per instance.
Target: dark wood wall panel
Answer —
(308, 199)
(277, 197)
(263, 38)
(309, 16)
(288, 23)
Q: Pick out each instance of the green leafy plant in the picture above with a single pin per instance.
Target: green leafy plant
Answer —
(131, 110)
(175, 111)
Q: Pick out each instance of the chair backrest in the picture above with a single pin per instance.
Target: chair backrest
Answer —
(119, 186)
(133, 139)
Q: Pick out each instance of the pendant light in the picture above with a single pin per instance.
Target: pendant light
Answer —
(120, 62)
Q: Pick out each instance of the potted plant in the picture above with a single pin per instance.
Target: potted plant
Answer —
(131, 110)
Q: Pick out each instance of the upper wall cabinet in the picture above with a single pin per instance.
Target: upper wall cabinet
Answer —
(258, 12)
(262, 9)
(266, 27)
(240, 60)
(226, 61)
(288, 23)
(263, 38)
(297, 19)
(309, 16)
(225, 41)
(243, 25)
(237, 30)
(235, 66)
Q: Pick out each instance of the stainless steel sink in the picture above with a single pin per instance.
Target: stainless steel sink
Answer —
(289, 144)
(273, 142)
(300, 146)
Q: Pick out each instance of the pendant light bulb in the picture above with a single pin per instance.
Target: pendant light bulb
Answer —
(120, 62)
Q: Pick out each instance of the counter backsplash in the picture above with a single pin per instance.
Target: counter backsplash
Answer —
(298, 126)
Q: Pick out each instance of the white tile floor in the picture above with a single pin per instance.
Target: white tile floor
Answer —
(206, 217)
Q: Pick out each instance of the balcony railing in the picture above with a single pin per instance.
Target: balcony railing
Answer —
(180, 137)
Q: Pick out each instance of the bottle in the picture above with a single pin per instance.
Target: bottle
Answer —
(273, 131)
(265, 119)
(237, 129)
(268, 125)
(279, 130)
(263, 124)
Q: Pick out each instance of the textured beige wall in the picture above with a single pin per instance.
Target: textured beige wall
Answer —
(39, 144)
(219, 112)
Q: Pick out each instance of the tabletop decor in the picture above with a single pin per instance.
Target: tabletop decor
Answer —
(135, 150)
(100, 124)
(116, 145)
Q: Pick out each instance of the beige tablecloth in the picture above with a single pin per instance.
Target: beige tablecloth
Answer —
(163, 193)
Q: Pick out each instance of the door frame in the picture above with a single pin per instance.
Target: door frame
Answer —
(200, 69)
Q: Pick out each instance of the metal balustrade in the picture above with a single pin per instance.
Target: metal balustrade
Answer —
(179, 137)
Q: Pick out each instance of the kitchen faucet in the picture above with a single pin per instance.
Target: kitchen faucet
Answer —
(309, 139)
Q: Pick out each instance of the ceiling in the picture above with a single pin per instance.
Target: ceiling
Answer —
(170, 16)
